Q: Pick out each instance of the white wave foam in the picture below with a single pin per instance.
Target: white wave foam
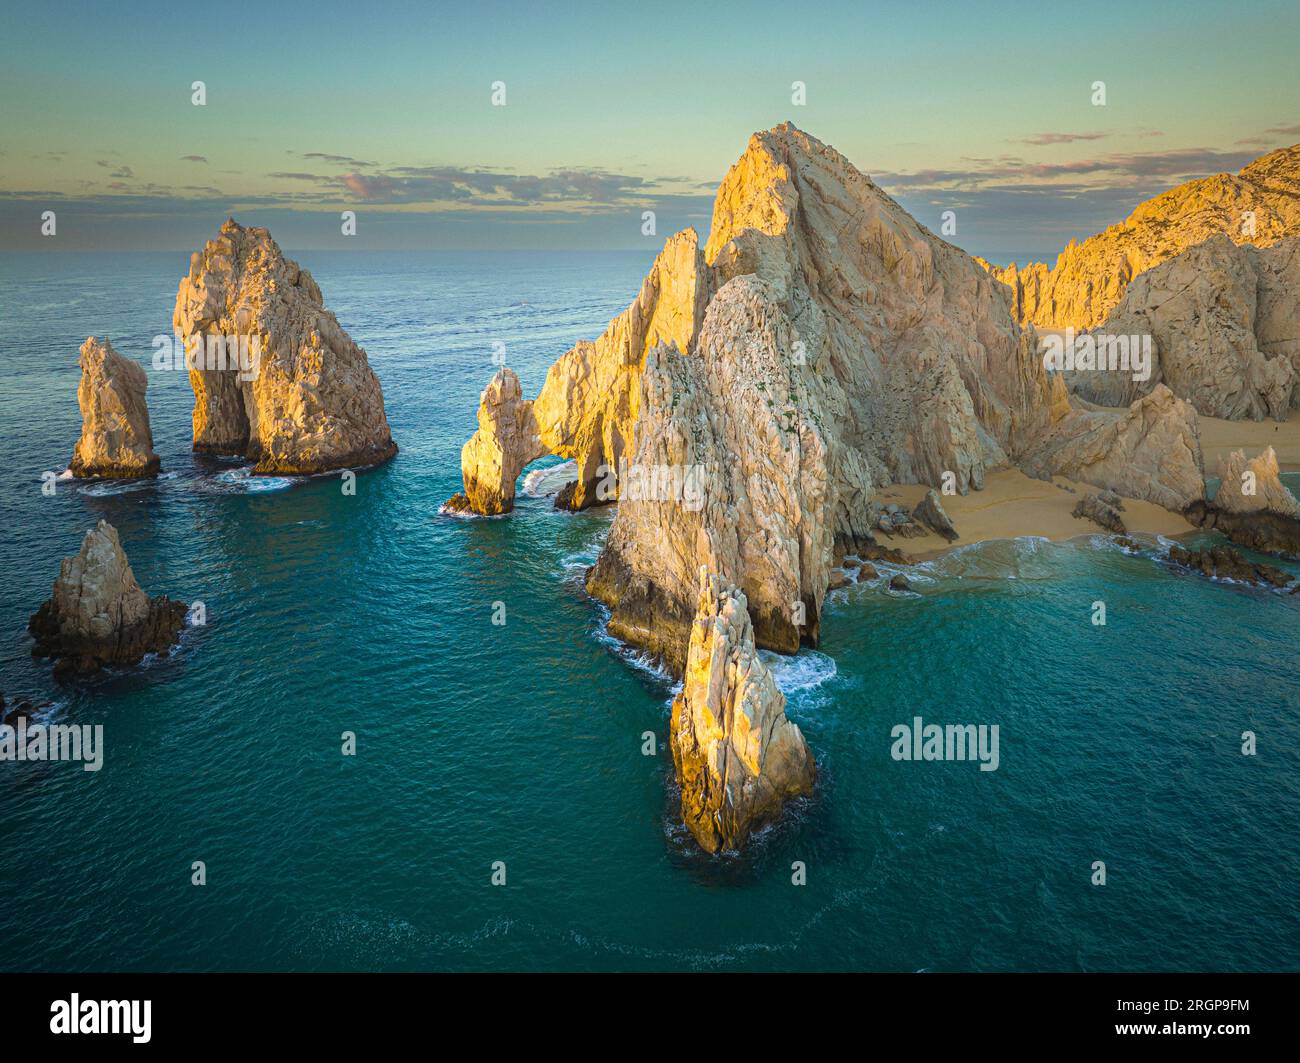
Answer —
(543, 483)
(806, 670)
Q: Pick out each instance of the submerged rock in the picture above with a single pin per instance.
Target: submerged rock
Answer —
(11, 710)
(1223, 562)
(930, 512)
(1103, 514)
(738, 758)
(281, 382)
(116, 442)
(899, 582)
(98, 616)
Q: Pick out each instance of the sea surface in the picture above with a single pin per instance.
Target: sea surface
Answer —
(522, 743)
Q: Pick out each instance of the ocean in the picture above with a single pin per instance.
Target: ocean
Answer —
(522, 744)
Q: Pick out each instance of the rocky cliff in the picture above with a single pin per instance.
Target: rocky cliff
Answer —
(97, 615)
(275, 377)
(823, 344)
(1224, 327)
(115, 442)
(1260, 205)
(738, 758)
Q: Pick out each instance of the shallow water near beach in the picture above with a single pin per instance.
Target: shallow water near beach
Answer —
(522, 743)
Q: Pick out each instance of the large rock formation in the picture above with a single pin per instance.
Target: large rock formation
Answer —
(1150, 452)
(1260, 205)
(1253, 506)
(98, 616)
(115, 442)
(275, 377)
(841, 347)
(1224, 327)
(738, 757)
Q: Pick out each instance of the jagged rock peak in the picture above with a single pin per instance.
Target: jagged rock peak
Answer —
(282, 383)
(97, 614)
(116, 441)
(738, 758)
(1254, 485)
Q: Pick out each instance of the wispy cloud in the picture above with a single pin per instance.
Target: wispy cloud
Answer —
(194, 158)
(1060, 138)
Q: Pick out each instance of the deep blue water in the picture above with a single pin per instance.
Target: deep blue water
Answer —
(522, 743)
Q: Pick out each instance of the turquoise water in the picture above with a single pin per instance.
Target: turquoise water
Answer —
(522, 743)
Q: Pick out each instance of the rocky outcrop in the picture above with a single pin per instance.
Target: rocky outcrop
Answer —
(589, 406)
(1222, 324)
(1094, 508)
(1260, 206)
(731, 472)
(930, 512)
(822, 345)
(1223, 562)
(1252, 507)
(739, 759)
(1152, 452)
(115, 442)
(11, 710)
(275, 377)
(98, 616)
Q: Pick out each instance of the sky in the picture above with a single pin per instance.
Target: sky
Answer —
(612, 109)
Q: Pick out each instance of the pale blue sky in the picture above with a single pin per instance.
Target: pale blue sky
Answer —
(386, 109)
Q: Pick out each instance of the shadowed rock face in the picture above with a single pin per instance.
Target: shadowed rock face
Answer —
(1224, 323)
(738, 758)
(97, 615)
(841, 347)
(307, 401)
(115, 441)
(1089, 279)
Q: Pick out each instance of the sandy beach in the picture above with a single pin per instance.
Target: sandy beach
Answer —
(1219, 438)
(1013, 505)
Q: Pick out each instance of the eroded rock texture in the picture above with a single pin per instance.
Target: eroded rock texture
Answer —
(97, 615)
(1260, 205)
(116, 442)
(278, 379)
(821, 346)
(1224, 322)
(1253, 506)
(739, 759)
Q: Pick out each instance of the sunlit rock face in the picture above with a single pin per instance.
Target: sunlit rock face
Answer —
(1222, 325)
(1260, 206)
(97, 615)
(275, 377)
(116, 442)
(738, 758)
(822, 345)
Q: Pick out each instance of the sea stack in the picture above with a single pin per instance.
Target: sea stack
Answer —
(275, 377)
(738, 758)
(116, 442)
(98, 616)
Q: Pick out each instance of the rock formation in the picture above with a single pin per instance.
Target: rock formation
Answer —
(11, 710)
(1223, 562)
(738, 758)
(1224, 328)
(98, 616)
(1152, 452)
(588, 408)
(1096, 509)
(275, 377)
(1260, 205)
(115, 442)
(821, 346)
(1253, 506)
(930, 512)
